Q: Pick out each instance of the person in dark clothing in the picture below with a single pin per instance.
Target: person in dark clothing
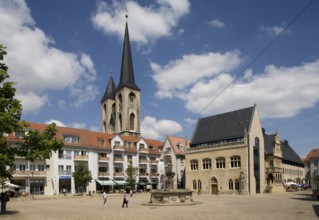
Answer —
(125, 202)
(4, 200)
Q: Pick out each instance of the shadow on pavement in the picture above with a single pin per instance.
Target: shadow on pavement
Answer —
(11, 212)
(316, 209)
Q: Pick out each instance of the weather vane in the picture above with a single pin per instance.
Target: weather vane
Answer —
(126, 14)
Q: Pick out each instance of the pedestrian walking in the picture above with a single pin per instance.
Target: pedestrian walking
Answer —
(125, 202)
(131, 193)
(104, 198)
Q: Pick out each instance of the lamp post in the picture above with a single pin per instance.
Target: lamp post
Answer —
(32, 184)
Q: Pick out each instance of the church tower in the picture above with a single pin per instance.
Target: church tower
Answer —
(120, 106)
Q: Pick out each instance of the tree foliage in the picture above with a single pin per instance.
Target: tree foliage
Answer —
(35, 145)
(82, 176)
(131, 174)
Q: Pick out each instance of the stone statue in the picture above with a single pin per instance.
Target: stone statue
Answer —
(170, 175)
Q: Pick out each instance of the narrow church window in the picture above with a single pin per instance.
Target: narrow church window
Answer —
(120, 119)
(237, 184)
(120, 102)
(132, 119)
(230, 184)
(104, 109)
(199, 184)
(194, 184)
(131, 103)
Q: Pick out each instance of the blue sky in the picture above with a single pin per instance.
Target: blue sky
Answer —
(61, 54)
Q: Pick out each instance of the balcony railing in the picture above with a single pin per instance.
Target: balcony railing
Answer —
(167, 153)
(65, 156)
(28, 173)
(143, 174)
(143, 150)
(118, 174)
(143, 161)
(81, 157)
(118, 159)
(65, 172)
(101, 174)
(154, 174)
(117, 147)
(103, 158)
(273, 170)
(154, 161)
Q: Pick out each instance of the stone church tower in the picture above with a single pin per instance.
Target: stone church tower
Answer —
(120, 106)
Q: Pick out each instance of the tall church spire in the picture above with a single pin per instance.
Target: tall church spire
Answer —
(127, 72)
(110, 90)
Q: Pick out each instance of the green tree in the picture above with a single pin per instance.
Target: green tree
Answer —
(82, 176)
(35, 145)
(131, 174)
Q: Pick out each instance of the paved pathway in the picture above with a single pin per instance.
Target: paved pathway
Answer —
(295, 205)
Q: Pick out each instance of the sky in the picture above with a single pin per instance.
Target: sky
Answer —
(191, 59)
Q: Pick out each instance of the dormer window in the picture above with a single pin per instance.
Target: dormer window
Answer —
(117, 143)
(100, 142)
(129, 144)
(151, 147)
(71, 139)
(142, 146)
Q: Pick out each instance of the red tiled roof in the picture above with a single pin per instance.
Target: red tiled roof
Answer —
(90, 138)
(157, 145)
(177, 140)
(314, 153)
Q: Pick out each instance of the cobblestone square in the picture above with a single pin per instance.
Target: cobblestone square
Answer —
(293, 205)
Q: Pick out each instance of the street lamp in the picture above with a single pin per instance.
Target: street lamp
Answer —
(32, 184)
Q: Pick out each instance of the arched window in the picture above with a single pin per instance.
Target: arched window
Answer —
(120, 102)
(120, 119)
(207, 164)
(132, 120)
(237, 184)
(131, 102)
(194, 165)
(104, 110)
(230, 184)
(199, 184)
(194, 184)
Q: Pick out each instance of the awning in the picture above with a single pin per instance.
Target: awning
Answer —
(106, 182)
(64, 177)
(120, 182)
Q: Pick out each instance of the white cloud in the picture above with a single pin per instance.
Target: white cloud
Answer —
(156, 129)
(77, 125)
(272, 31)
(57, 122)
(198, 79)
(70, 125)
(216, 23)
(147, 23)
(176, 77)
(35, 64)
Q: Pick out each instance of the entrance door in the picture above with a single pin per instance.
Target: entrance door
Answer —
(214, 189)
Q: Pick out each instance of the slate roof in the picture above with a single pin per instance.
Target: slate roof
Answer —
(223, 126)
(287, 152)
(127, 71)
(110, 90)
